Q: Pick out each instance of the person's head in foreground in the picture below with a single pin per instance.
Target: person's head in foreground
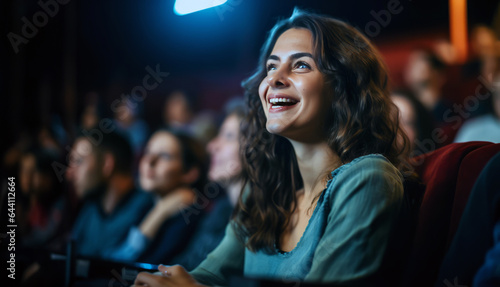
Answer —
(99, 160)
(318, 102)
(172, 161)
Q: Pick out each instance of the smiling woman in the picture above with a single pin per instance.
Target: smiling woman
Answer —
(292, 94)
(324, 163)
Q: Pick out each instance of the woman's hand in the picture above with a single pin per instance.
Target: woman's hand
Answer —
(170, 276)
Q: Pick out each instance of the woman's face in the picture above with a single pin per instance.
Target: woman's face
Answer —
(161, 167)
(225, 164)
(293, 93)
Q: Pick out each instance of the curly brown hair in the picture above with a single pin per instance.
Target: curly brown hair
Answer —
(361, 120)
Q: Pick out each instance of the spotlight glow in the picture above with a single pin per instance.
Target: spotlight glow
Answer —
(183, 7)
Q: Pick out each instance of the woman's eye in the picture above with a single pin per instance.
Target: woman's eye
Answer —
(270, 67)
(302, 65)
(164, 155)
(229, 136)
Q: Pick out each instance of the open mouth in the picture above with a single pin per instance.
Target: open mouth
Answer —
(282, 102)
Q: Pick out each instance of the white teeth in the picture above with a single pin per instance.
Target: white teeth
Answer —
(281, 100)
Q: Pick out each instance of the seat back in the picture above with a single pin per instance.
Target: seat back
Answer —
(471, 167)
(449, 174)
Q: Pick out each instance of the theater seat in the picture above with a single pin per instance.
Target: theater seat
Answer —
(449, 174)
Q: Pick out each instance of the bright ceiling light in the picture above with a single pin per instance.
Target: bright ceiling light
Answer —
(183, 7)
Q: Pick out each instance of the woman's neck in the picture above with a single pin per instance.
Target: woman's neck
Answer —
(316, 161)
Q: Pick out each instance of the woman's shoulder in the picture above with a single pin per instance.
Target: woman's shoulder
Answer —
(371, 163)
(367, 172)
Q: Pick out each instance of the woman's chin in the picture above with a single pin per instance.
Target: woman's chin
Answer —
(275, 128)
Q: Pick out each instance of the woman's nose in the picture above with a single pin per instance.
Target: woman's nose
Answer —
(278, 79)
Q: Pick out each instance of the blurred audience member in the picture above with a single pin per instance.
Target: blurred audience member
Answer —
(178, 111)
(127, 120)
(179, 114)
(100, 170)
(445, 51)
(31, 157)
(92, 111)
(12, 156)
(226, 170)
(46, 205)
(225, 164)
(485, 127)
(173, 167)
(204, 126)
(484, 51)
(45, 136)
(47, 139)
(414, 118)
(424, 75)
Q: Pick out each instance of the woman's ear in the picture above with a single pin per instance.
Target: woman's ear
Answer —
(191, 175)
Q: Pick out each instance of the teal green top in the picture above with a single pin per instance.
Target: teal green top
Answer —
(345, 239)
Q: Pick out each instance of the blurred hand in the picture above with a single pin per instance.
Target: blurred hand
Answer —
(168, 206)
(170, 276)
(173, 203)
